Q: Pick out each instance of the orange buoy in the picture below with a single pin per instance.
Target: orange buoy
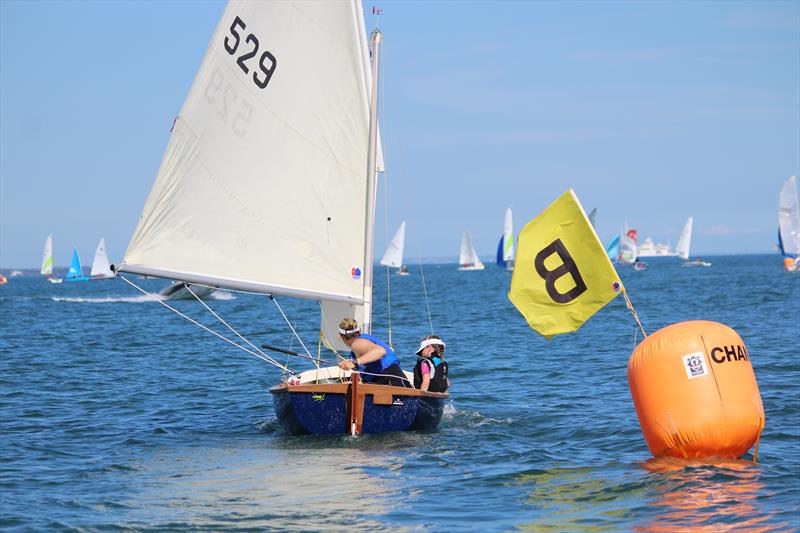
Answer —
(695, 391)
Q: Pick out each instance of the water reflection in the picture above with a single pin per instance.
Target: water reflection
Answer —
(670, 494)
(712, 495)
(258, 485)
(580, 499)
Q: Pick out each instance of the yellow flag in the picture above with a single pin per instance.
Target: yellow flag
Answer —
(562, 275)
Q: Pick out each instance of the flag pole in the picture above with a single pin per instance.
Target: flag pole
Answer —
(633, 311)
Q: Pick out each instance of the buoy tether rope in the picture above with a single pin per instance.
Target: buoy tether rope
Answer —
(633, 311)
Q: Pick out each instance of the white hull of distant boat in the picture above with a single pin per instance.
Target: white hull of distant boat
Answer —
(472, 267)
(697, 263)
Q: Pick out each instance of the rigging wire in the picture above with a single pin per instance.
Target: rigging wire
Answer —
(256, 348)
(272, 297)
(424, 288)
(264, 357)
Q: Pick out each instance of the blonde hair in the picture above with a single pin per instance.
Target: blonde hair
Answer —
(350, 325)
(438, 349)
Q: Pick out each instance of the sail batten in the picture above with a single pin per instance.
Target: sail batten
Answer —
(262, 185)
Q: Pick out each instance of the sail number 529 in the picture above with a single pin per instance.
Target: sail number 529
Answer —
(267, 61)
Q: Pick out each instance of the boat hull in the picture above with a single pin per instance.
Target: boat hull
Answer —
(328, 409)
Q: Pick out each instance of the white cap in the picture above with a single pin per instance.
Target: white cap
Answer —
(429, 342)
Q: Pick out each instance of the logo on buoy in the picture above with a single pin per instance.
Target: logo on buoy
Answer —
(355, 273)
(695, 365)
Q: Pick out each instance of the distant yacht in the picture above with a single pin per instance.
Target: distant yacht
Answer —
(468, 258)
(47, 261)
(75, 272)
(394, 253)
(505, 248)
(100, 266)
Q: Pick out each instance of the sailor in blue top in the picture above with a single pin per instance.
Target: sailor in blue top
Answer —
(375, 360)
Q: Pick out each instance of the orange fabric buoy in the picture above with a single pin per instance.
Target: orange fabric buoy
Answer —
(695, 391)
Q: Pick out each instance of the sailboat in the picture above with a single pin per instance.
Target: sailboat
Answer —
(789, 225)
(268, 185)
(47, 261)
(505, 248)
(627, 247)
(393, 257)
(101, 268)
(468, 258)
(75, 271)
(684, 245)
(612, 249)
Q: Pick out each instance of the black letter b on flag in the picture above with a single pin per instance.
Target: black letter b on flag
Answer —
(550, 277)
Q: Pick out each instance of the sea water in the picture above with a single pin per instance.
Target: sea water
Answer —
(119, 414)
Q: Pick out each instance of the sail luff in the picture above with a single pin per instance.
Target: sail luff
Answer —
(372, 188)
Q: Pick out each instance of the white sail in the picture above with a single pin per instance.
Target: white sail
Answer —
(789, 218)
(627, 249)
(100, 266)
(468, 256)
(263, 185)
(508, 237)
(47, 257)
(685, 241)
(394, 253)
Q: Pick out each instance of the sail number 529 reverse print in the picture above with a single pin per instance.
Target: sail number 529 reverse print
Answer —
(250, 49)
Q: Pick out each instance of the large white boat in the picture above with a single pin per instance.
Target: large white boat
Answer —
(648, 248)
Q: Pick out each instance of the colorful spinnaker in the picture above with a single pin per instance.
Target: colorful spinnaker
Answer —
(563, 275)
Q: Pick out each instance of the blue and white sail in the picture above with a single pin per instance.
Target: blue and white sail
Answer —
(505, 248)
(75, 272)
(612, 248)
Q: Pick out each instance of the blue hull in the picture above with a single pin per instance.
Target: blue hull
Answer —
(328, 413)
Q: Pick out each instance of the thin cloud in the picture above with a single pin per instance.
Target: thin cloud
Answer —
(720, 229)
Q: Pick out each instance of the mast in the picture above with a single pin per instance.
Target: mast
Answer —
(372, 189)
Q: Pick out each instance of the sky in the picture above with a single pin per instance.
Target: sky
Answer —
(651, 111)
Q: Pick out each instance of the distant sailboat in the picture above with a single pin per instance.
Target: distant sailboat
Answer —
(101, 269)
(684, 244)
(75, 272)
(789, 225)
(394, 253)
(627, 247)
(47, 261)
(468, 258)
(505, 248)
